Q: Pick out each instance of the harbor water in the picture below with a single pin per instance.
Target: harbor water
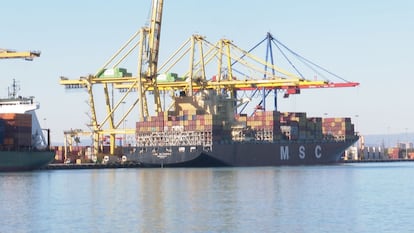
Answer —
(360, 197)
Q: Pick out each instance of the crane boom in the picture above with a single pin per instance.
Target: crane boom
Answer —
(10, 54)
(154, 44)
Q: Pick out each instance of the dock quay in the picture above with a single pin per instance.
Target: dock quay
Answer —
(62, 166)
(377, 160)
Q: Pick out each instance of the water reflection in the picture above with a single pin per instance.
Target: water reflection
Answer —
(286, 199)
(181, 199)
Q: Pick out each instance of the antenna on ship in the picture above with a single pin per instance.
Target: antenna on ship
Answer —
(12, 54)
(15, 87)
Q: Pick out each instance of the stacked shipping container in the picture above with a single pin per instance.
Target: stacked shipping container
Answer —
(394, 153)
(187, 126)
(15, 130)
(339, 128)
(266, 126)
(185, 120)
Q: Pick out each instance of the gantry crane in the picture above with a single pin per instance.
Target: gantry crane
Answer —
(227, 58)
(27, 55)
(148, 46)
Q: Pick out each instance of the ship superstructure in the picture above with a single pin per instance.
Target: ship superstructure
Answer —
(22, 142)
(15, 104)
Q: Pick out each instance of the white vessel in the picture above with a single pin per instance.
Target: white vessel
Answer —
(22, 143)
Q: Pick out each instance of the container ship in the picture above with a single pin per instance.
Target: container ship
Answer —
(23, 145)
(203, 131)
(201, 126)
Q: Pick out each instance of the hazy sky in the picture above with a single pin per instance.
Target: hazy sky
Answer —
(370, 42)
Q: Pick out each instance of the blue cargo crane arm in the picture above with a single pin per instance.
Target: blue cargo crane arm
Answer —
(284, 51)
(308, 61)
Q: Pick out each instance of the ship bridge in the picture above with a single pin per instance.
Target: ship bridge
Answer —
(18, 105)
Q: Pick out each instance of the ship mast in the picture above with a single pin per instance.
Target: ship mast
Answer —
(12, 54)
(12, 94)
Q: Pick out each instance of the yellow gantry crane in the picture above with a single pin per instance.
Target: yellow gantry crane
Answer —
(224, 57)
(148, 46)
(27, 55)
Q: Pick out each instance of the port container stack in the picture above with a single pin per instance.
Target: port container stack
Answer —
(394, 153)
(16, 130)
(273, 126)
(340, 128)
(265, 125)
(293, 125)
(297, 126)
(239, 130)
(314, 127)
(184, 127)
(195, 127)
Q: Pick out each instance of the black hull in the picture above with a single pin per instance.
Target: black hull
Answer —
(243, 154)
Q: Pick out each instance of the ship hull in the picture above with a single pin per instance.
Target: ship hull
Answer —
(243, 154)
(24, 160)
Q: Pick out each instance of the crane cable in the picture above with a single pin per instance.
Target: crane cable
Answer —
(290, 62)
(301, 57)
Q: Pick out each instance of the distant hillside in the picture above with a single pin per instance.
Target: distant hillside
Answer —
(389, 140)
